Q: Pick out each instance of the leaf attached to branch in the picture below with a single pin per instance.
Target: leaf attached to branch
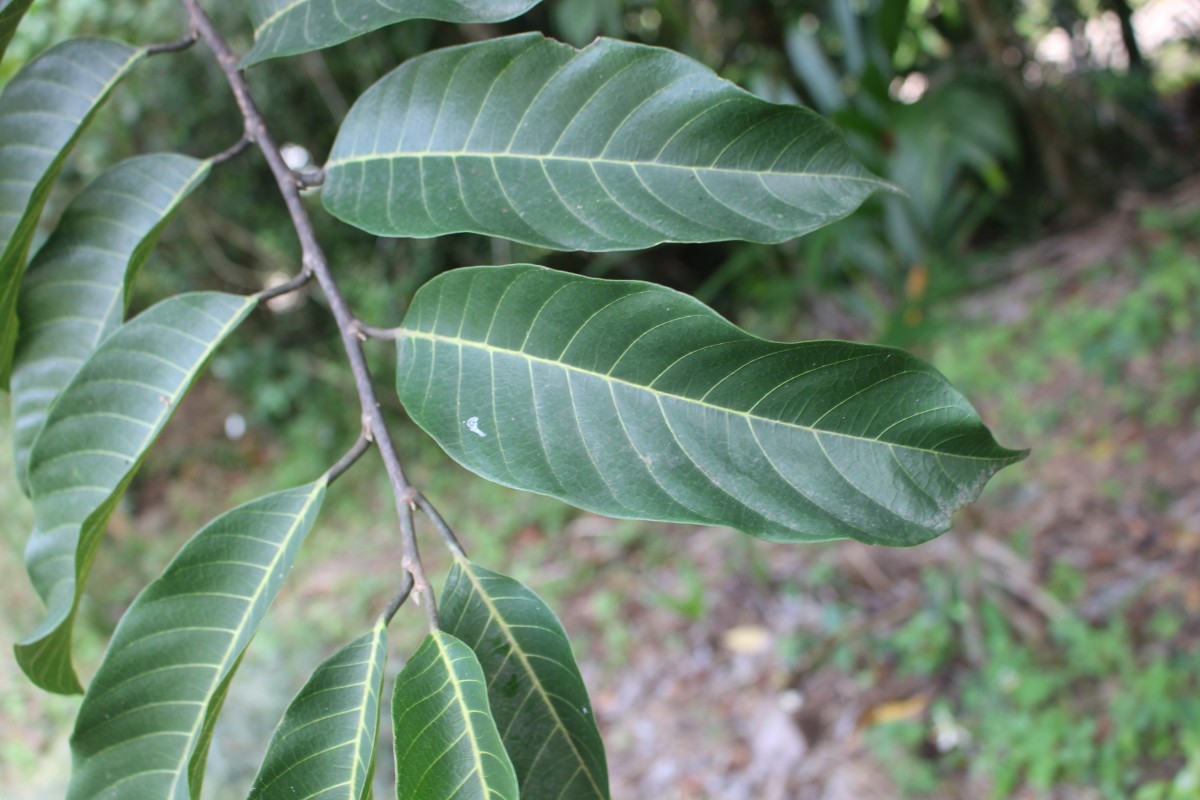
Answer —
(636, 401)
(613, 147)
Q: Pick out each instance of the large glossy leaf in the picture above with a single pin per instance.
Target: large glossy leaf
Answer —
(536, 693)
(42, 112)
(325, 743)
(447, 745)
(287, 27)
(92, 444)
(612, 147)
(74, 294)
(145, 723)
(633, 400)
(11, 12)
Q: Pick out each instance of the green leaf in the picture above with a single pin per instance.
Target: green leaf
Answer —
(11, 12)
(288, 27)
(536, 692)
(447, 745)
(612, 147)
(42, 112)
(146, 721)
(92, 444)
(75, 292)
(326, 740)
(636, 401)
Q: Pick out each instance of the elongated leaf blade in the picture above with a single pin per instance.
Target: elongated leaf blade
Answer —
(11, 12)
(146, 720)
(535, 689)
(42, 112)
(447, 745)
(92, 444)
(636, 401)
(74, 294)
(288, 27)
(612, 147)
(326, 740)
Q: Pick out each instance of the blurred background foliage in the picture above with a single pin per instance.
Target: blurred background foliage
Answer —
(997, 119)
(1004, 122)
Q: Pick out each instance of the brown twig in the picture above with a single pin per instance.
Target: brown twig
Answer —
(172, 47)
(443, 529)
(313, 260)
(347, 461)
(366, 331)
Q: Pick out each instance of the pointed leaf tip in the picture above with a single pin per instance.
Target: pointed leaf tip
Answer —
(613, 147)
(636, 401)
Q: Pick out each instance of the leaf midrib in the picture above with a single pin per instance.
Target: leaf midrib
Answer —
(465, 566)
(492, 349)
(402, 155)
(460, 696)
(316, 490)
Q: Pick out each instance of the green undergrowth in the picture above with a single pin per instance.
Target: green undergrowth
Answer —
(1103, 326)
(1103, 707)
(1093, 708)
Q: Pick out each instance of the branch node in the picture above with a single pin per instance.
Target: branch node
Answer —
(365, 331)
(309, 177)
(409, 497)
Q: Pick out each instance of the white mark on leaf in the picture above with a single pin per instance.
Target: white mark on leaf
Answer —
(473, 427)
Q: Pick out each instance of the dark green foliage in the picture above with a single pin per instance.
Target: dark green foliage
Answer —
(623, 397)
(636, 401)
(534, 687)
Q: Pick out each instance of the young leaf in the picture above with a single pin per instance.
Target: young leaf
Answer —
(612, 147)
(636, 401)
(326, 740)
(42, 112)
(447, 745)
(146, 720)
(11, 12)
(74, 294)
(92, 444)
(536, 693)
(288, 27)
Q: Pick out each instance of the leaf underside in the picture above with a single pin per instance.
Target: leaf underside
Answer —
(42, 112)
(536, 692)
(74, 293)
(93, 441)
(326, 740)
(290, 27)
(635, 401)
(446, 741)
(146, 718)
(613, 147)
